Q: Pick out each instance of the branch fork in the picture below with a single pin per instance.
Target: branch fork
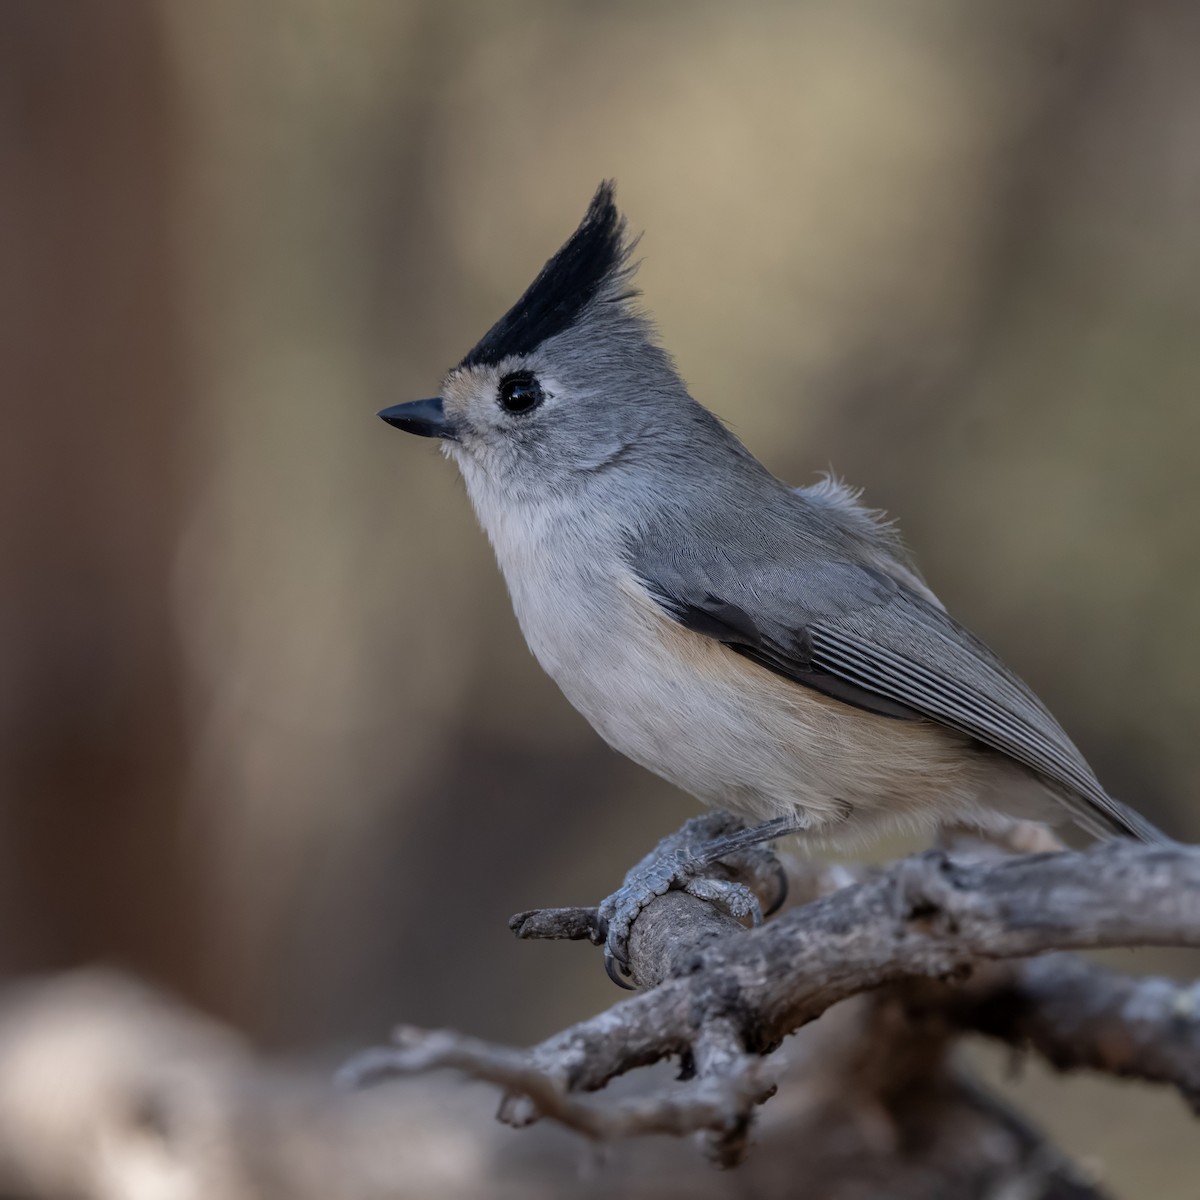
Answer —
(940, 933)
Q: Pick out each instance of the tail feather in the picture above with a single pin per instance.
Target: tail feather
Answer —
(1114, 819)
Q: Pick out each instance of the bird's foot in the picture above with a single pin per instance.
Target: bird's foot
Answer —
(702, 858)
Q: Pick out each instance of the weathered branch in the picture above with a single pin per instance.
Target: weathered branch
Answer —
(112, 1091)
(929, 917)
(715, 1100)
(1081, 1016)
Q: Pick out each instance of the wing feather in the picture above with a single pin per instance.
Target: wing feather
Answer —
(860, 635)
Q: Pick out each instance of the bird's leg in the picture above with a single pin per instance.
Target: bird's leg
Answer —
(683, 861)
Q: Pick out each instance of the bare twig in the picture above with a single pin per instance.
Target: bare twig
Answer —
(558, 924)
(163, 1102)
(807, 881)
(716, 1099)
(1078, 1015)
(721, 998)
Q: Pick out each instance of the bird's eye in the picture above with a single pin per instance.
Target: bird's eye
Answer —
(520, 392)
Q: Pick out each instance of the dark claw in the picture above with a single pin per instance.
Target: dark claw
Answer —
(781, 896)
(617, 971)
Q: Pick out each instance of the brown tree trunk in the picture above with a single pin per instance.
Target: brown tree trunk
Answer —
(91, 736)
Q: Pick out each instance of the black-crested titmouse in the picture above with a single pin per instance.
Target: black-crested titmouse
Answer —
(770, 649)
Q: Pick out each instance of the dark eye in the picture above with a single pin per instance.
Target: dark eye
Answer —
(520, 392)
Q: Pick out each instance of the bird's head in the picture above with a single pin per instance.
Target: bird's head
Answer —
(567, 384)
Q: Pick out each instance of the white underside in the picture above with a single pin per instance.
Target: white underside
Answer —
(728, 731)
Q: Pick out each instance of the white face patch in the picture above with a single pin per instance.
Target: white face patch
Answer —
(466, 393)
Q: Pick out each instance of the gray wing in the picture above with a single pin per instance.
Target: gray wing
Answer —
(861, 636)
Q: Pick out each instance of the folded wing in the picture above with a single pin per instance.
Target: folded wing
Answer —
(859, 635)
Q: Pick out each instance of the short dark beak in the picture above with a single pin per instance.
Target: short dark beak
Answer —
(426, 418)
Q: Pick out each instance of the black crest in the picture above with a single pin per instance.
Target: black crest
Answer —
(565, 286)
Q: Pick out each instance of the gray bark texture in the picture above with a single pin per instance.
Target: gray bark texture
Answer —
(814, 1056)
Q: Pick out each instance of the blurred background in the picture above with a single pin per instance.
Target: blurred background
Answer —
(269, 735)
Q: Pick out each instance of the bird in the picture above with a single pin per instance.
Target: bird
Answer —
(772, 650)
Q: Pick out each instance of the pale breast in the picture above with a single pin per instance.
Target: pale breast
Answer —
(725, 729)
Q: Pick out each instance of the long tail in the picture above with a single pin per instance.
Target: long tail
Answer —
(1114, 819)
